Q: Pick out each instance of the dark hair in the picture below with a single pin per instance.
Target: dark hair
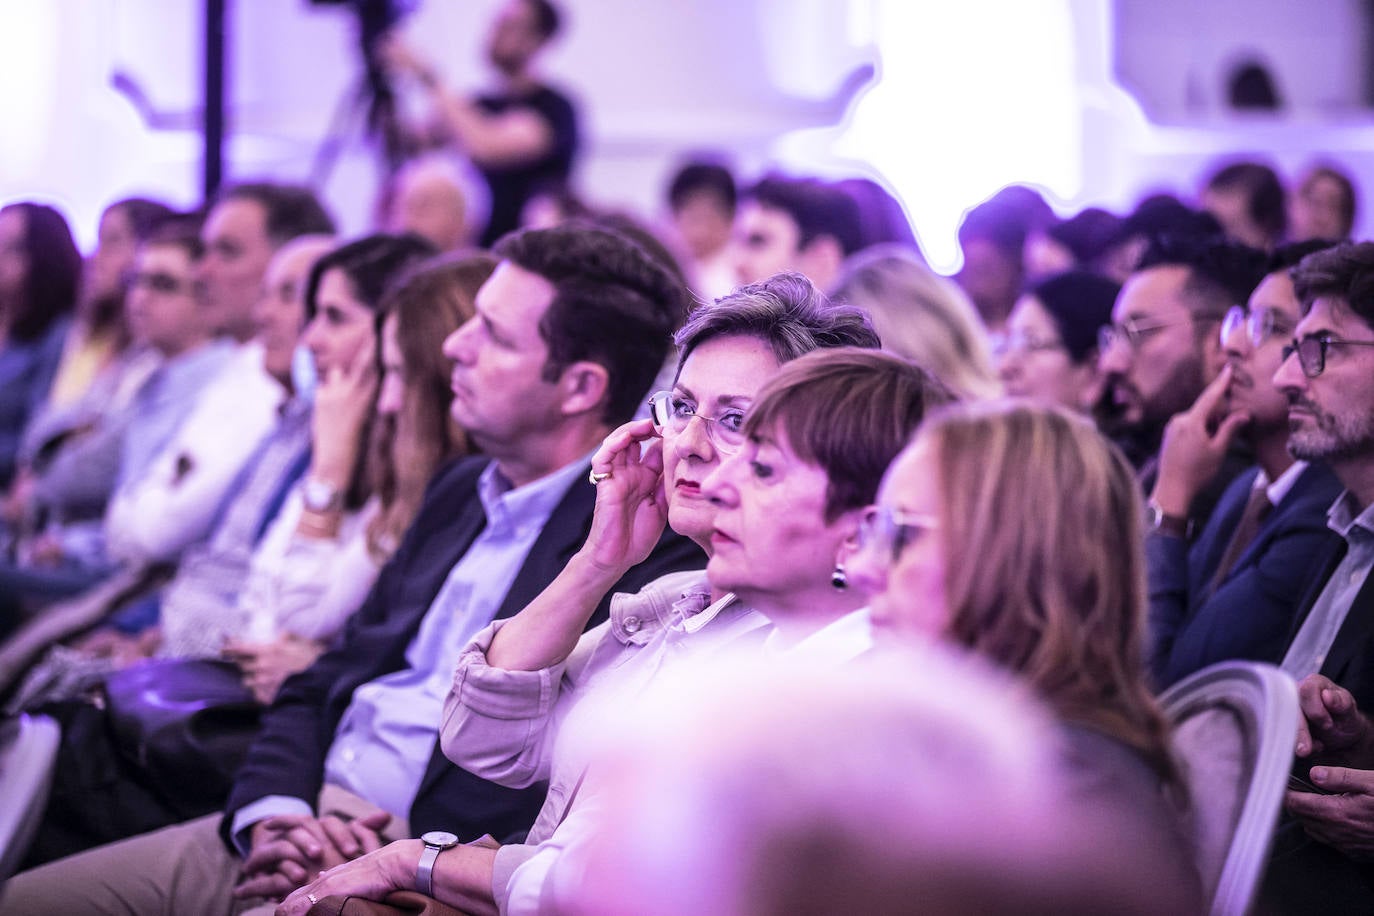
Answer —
(818, 209)
(1079, 302)
(144, 215)
(370, 264)
(882, 221)
(1344, 272)
(1006, 218)
(1348, 195)
(787, 312)
(1250, 85)
(54, 270)
(626, 225)
(1264, 196)
(613, 304)
(430, 301)
(703, 178)
(291, 210)
(849, 412)
(547, 19)
(1286, 257)
(1164, 216)
(1220, 273)
(181, 230)
(1087, 234)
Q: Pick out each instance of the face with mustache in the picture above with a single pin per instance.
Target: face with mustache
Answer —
(1331, 417)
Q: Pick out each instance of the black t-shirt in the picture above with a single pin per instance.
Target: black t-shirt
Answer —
(511, 187)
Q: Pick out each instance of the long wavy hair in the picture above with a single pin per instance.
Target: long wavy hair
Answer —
(1045, 514)
(427, 305)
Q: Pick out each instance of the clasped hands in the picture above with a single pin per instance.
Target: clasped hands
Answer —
(1339, 739)
(290, 850)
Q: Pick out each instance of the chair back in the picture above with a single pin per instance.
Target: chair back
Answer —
(1234, 726)
(28, 749)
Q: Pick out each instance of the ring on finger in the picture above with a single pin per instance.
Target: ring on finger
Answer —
(596, 478)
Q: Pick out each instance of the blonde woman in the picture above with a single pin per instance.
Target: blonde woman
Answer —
(1014, 531)
(923, 317)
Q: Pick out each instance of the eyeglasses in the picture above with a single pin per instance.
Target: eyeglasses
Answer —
(890, 530)
(1021, 342)
(1259, 325)
(1132, 331)
(1312, 351)
(157, 282)
(672, 414)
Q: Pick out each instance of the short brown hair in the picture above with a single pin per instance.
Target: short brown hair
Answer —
(848, 411)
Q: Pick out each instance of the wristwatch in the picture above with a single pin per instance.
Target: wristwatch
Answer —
(320, 496)
(436, 841)
(1173, 525)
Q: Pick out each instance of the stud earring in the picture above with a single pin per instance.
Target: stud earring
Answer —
(838, 579)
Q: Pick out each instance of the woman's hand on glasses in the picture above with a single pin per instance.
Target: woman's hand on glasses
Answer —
(631, 505)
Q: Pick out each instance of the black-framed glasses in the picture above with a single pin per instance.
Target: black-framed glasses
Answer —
(1023, 342)
(672, 413)
(1259, 325)
(889, 530)
(1312, 351)
(1132, 331)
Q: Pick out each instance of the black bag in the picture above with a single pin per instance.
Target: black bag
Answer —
(187, 722)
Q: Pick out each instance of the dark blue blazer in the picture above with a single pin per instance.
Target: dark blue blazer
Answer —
(288, 757)
(1250, 615)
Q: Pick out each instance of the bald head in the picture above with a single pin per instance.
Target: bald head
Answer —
(280, 310)
(428, 201)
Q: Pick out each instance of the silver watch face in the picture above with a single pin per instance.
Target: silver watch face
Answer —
(440, 838)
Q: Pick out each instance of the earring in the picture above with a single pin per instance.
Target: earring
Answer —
(838, 579)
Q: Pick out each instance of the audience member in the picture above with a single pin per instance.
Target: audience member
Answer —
(1162, 348)
(1323, 205)
(80, 455)
(1050, 349)
(569, 331)
(1055, 596)
(98, 334)
(1084, 241)
(992, 238)
(522, 135)
(1247, 198)
(1319, 862)
(1234, 592)
(1156, 218)
(882, 220)
(243, 229)
(702, 198)
(217, 568)
(772, 786)
(40, 275)
(426, 197)
(922, 317)
(812, 615)
(800, 224)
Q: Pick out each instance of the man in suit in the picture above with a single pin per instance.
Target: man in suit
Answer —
(569, 332)
(1320, 857)
(1233, 594)
(1162, 349)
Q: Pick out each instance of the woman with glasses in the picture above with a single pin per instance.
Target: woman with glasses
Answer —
(537, 666)
(1050, 349)
(962, 546)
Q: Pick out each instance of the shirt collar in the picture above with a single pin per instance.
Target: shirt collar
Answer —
(838, 641)
(533, 502)
(1277, 490)
(1343, 518)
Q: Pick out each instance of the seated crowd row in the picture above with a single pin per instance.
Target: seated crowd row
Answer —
(356, 474)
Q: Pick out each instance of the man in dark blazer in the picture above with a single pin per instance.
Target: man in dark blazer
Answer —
(1233, 593)
(1321, 855)
(569, 333)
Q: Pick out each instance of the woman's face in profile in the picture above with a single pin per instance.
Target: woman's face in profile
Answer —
(901, 562)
